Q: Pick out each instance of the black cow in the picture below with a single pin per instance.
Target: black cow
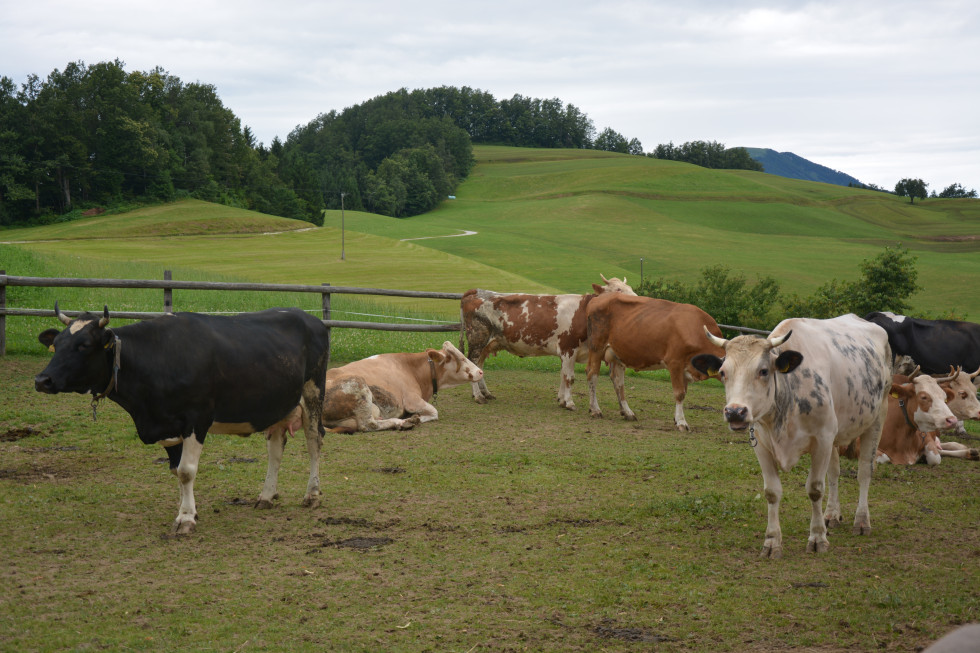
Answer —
(934, 345)
(183, 376)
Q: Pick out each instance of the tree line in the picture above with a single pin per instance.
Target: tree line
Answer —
(98, 135)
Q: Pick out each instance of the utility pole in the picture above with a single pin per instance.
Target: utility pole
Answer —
(342, 226)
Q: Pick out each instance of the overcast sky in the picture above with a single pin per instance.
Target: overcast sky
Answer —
(878, 89)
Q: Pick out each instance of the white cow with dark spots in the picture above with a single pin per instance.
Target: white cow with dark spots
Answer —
(826, 389)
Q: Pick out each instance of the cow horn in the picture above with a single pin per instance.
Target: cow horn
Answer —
(954, 372)
(61, 316)
(604, 279)
(105, 316)
(715, 340)
(974, 375)
(778, 340)
(915, 372)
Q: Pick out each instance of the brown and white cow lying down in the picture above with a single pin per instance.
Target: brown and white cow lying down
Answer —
(920, 406)
(392, 391)
(646, 334)
(530, 325)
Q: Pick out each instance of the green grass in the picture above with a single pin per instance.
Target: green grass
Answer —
(511, 526)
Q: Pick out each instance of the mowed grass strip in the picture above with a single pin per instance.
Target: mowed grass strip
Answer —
(511, 526)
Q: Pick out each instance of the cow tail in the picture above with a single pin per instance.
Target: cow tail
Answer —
(462, 333)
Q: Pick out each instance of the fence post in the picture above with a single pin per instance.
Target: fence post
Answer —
(168, 294)
(3, 318)
(325, 300)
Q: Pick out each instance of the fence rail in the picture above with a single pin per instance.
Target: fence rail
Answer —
(168, 285)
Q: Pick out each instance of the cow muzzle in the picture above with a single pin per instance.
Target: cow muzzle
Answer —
(43, 383)
(737, 417)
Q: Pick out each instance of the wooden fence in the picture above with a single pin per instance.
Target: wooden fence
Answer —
(168, 285)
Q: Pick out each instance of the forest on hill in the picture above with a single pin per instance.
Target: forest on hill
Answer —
(90, 137)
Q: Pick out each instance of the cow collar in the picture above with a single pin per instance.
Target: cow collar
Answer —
(116, 345)
(905, 414)
(435, 384)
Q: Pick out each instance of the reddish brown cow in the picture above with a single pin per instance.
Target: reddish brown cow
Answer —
(530, 325)
(646, 334)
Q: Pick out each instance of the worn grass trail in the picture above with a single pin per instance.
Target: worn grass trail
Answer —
(506, 527)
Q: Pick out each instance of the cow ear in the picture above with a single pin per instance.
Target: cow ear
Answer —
(107, 337)
(788, 361)
(597, 289)
(436, 356)
(949, 394)
(47, 337)
(707, 364)
(902, 390)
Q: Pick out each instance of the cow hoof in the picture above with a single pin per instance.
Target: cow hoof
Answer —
(480, 400)
(596, 414)
(973, 454)
(861, 529)
(684, 428)
(184, 527)
(817, 547)
(629, 417)
(263, 504)
(832, 522)
(311, 501)
(771, 552)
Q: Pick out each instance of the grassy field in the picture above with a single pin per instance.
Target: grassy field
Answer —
(508, 527)
(551, 221)
(515, 526)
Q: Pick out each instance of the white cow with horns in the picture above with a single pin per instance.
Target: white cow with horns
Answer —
(828, 391)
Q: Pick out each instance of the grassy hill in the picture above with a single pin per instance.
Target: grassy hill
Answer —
(545, 221)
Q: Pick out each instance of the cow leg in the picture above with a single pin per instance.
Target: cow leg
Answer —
(832, 516)
(480, 391)
(186, 471)
(772, 545)
(591, 375)
(678, 381)
(820, 458)
(617, 374)
(566, 380)
(275, 443)
(314, 440)
(957, 450)
(866, 466)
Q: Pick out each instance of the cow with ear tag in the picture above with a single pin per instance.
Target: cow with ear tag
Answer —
(185, 375)
(829, 389)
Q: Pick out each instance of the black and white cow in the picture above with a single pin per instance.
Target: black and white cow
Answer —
(934, 345)
(826, 389)
(183, 376)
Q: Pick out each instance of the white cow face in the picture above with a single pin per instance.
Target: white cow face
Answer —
(613, 285)
(749, 372)
(964, 404)
(931, 412)
(453, 367)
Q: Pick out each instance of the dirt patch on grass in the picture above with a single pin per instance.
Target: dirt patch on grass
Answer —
(609, 629)
(14, 434)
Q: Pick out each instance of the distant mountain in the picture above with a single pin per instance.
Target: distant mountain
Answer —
(787, 164)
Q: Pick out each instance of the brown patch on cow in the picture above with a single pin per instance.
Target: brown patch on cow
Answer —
(530, 318)
(338, 405)
(386, 402)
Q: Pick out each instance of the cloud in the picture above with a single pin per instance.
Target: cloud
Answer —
(887, 88)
